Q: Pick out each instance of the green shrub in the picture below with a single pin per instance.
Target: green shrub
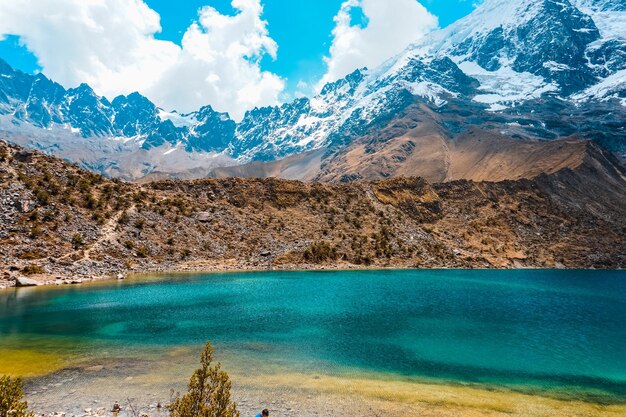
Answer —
(143, 251)
(43, 197)
(33, 269)
(320, 252)
(34, 215)
(89, 201)
(77, 241)
(36, 231)
(11, 395)
(208, 392)
(123, 219)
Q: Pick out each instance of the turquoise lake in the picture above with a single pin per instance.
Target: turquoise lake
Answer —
(561, 330)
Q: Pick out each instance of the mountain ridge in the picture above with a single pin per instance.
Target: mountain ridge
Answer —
(555, 68)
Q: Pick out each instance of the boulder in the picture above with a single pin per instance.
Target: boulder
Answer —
(23, 156)
(204, 217)
(24, 206)
(22, 281)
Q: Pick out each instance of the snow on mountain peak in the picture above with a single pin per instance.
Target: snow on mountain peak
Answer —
(505, 53)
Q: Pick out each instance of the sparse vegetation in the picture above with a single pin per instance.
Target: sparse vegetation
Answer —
(33, 269)
(140, 223)
(208, 392)
(319, 252)
(77, 241)
(396, 222)
(143, 251)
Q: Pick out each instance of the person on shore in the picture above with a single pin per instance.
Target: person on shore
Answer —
(264, 413)
(116, 409)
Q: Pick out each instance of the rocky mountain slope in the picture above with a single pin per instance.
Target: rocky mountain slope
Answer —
(528, 70)
(59, 221)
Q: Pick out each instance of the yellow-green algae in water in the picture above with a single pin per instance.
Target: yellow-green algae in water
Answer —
(29, 363)
(457, 400)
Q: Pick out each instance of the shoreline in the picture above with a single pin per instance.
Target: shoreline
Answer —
(313, 395)
(208, 267)
(51, 280)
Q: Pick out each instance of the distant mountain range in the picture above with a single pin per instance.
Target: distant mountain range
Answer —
(492, 90)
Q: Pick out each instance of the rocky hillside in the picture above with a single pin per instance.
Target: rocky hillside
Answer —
(61, 222)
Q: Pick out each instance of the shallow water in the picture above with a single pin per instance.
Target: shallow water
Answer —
(561, 331)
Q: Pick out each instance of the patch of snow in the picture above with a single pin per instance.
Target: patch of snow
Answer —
(488, 16)
(125, 139)
(505, 85)
(308, 121)
(431, 91)
(177, 119)
(555, 66)
(610, 23)
(495, 107)
(606, 89)
(170, 151)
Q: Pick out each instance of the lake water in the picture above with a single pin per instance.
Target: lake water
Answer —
(561, 331)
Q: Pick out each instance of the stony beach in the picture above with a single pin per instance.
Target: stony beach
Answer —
(293, 395)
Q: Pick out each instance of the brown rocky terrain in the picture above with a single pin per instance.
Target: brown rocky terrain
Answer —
(59, 222)
(418, 144)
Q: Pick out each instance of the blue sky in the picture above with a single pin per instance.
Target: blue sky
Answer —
(301, 28)
(69, 50)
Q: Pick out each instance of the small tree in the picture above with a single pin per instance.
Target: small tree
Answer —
(11, 394)
(208, 392)
(77, 241)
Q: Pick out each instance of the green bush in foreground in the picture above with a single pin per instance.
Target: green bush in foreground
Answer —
(208, 392)
(11, 395)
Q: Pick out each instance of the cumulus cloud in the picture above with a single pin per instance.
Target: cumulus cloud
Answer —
(111, 45)
(390, 26)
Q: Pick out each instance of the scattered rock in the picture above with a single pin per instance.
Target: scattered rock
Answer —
(22, 281)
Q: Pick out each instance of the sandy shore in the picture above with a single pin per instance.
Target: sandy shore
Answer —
(313, 396)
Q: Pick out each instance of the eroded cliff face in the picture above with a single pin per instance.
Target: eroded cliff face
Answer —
(61, 221)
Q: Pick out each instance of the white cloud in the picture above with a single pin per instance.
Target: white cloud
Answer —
(111, 45)
(391, 26)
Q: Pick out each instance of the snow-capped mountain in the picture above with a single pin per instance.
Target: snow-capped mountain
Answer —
(550, 68)
(549, 46)
(507, 53)
(38, 101)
